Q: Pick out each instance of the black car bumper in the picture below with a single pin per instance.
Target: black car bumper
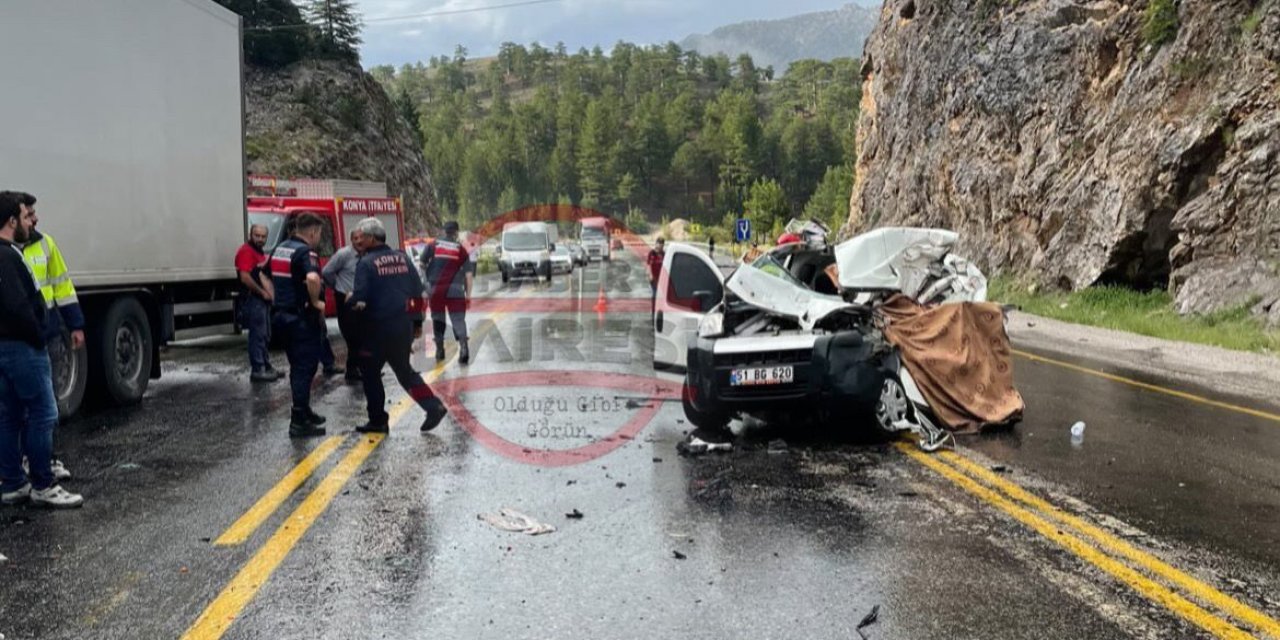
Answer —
(841, 376)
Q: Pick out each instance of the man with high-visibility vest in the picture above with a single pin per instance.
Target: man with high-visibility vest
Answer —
(53, 279)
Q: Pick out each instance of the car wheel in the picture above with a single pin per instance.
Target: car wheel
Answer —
(893, 408)
(714, 421)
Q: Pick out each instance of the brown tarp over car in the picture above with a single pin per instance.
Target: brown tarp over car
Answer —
(960, 358)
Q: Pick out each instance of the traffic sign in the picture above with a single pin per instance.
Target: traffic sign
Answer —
(695, 229)
(743, 230)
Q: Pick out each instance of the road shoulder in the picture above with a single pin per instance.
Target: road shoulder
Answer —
(1246, 375)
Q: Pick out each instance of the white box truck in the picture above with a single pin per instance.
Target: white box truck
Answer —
(125, 119)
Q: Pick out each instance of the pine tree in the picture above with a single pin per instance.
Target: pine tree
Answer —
(338, 28)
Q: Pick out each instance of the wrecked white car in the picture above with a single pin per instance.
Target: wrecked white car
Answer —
(824, 331)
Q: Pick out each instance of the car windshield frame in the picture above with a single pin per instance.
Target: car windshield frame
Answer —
(766, 263)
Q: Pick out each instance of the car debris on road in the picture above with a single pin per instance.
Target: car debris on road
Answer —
(508, 519)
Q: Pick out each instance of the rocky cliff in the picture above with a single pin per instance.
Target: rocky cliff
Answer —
(326, 119)
(1065, 140)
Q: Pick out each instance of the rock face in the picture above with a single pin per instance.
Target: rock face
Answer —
(325, 119)
(1062, 145)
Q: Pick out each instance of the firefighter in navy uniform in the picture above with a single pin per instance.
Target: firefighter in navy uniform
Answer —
(294, 269)
(387, 297)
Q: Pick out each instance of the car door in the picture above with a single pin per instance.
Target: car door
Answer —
(678, 307)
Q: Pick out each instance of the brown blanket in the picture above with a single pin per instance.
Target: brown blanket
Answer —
(960, 358)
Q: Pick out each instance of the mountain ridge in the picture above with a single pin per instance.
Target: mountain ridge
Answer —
(821, 35)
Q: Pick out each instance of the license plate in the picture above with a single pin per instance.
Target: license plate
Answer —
(761, 375)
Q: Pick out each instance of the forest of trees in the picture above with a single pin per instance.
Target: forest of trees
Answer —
(641, 133)
(278, 33)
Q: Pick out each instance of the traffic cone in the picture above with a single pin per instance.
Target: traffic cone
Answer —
(602, 303)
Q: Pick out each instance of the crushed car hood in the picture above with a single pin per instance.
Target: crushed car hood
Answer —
(891, 258)
(783, 297)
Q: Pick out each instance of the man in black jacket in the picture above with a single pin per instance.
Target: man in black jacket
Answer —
(28, 410)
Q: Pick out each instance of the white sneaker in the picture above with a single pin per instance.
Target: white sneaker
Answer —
(60, 471)
(16, 497)
(56, 497)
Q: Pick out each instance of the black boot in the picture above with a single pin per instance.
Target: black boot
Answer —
(436, 412)
(301, 425)
(316, 419)
(439, 351)
(374, 426)
(464, 352)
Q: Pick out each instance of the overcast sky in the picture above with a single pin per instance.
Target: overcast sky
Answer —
(578, 23)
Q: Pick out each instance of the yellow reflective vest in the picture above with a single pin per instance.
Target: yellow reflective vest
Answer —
(53, 280)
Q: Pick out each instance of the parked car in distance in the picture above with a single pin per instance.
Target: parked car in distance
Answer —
(578, 252)
(561, 260)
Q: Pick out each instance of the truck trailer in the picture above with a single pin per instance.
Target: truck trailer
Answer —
(125, 119)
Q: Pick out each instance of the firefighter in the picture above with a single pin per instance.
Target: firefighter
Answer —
(450, 274)
(256, 294)
(63, 307)
(387, 296)
(294, 269)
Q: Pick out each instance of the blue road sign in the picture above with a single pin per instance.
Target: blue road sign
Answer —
(743, 230)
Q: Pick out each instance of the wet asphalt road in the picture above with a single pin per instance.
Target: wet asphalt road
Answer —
(800, 543)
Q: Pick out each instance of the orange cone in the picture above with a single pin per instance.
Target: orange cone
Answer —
(602, 303)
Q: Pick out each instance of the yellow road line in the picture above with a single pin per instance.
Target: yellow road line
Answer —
(223, 611)
(1194, 587)
(1151, 387)
(241, 529)
(1150, 589)
(220, 613)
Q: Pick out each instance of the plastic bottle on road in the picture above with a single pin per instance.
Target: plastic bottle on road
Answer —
(1077, 434)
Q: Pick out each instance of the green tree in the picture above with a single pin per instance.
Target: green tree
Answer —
(767, 205)
(337, 28)
(626, 188)
(830, 201)
(265, 44)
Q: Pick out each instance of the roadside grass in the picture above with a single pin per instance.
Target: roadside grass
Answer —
(1145, 313)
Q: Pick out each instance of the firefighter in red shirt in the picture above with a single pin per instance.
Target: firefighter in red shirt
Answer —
(449, 273)
(654, 262)
(256, 296)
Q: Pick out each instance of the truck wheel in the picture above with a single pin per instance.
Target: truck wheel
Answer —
(713, 421)
(70, 375)
(123, 349)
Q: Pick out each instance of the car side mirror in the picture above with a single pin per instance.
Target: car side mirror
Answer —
(706, 300)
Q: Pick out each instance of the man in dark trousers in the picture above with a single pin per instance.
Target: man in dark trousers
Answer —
(28, 410)
(387, 284)
(450, 273)
(255, 306)
(340, 273)
(653, 263)
(294, 268)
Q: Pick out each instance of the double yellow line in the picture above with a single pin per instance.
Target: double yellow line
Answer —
(1177, 591)
(230, 603)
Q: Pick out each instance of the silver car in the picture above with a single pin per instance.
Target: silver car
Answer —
(561, 260)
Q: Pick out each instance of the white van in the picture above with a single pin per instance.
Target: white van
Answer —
(526, 251)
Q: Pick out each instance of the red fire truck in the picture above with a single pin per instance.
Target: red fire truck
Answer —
(276, 203)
